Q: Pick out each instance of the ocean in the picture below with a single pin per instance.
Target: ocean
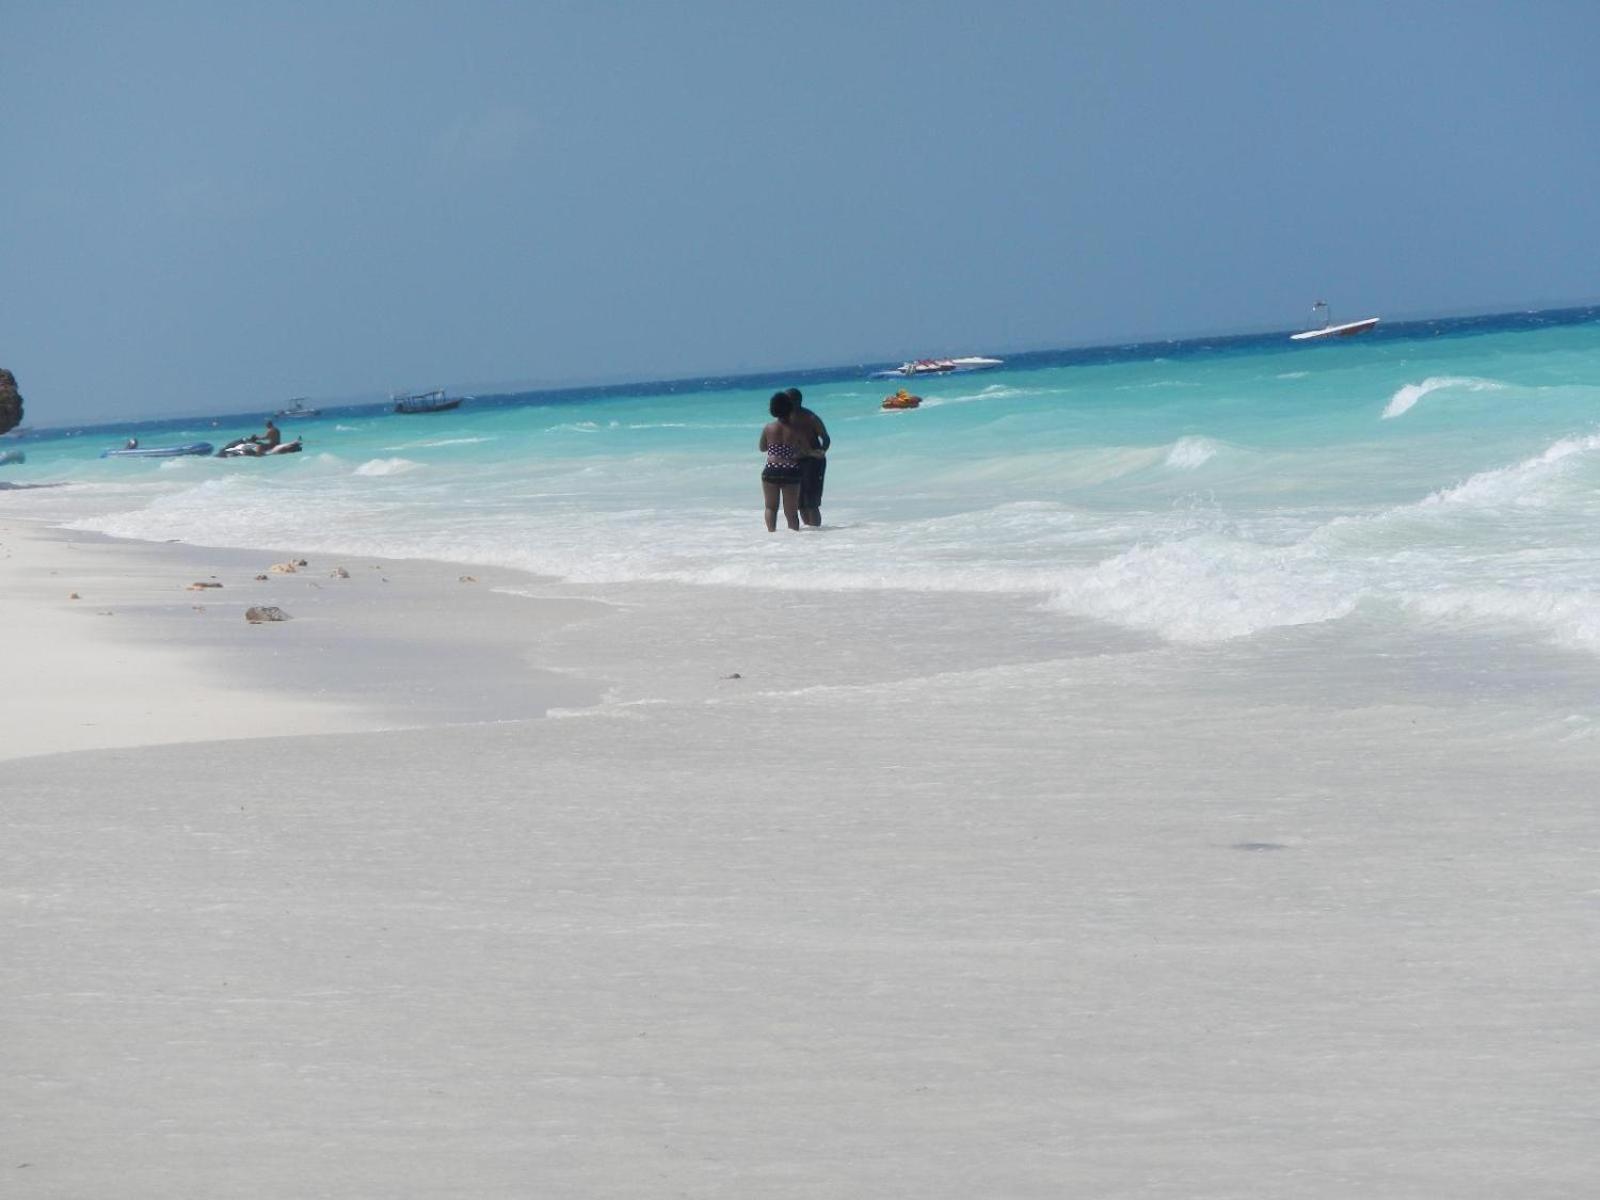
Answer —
(1368, 497)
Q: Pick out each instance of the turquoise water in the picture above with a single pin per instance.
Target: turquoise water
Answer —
(1445, 474)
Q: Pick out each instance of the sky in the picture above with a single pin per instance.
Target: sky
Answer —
(216, 207)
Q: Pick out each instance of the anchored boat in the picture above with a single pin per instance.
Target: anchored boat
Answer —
(426, 402)
(1327, 329)
(939, 366)
(136, 451)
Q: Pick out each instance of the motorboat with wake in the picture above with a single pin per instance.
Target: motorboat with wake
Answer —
(1328, 329)
(938, 366)
(901, 399)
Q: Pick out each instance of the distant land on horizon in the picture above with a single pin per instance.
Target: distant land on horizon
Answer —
(598, 386)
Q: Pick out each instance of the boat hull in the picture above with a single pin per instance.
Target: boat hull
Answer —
(446, 406)
(1348, 329)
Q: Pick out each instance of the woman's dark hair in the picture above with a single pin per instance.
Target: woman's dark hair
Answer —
(781, 406)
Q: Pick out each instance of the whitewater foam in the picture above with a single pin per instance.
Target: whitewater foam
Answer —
(1521, 483)
(1209, 589)
(387, 466)
(1187, 453)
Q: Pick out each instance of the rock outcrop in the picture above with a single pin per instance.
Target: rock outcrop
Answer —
(10, 402)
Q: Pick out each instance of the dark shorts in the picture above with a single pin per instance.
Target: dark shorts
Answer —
(811, 472)
(782, 476)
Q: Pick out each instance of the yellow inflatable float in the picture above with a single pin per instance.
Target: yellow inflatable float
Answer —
(901, 399)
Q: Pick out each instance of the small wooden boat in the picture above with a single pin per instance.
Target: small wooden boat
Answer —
(426, 402)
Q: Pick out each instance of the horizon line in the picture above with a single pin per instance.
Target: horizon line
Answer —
(527, 387)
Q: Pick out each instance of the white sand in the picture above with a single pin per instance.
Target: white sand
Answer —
(1144, 924)
(392, 645)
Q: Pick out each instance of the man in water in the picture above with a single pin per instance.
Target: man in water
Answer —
(812, 469)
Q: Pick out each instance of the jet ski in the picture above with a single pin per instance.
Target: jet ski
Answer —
(254, 447)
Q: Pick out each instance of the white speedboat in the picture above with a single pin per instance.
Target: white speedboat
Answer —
(1327, 329)
(939, 366)
(298, 408)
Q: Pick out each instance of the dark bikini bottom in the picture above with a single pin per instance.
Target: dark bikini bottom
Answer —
(782, 476)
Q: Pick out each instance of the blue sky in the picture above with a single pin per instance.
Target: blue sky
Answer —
(214, 207)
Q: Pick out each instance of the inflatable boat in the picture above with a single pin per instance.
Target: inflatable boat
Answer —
(156, 451)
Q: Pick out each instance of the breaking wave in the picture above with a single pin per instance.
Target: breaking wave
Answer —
(1519, 483)
(1406, 397)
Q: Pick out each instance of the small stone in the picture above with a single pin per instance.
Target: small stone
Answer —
(74, 596)
(339, 573)
(202, 585)
(261, 578)
(735, 675)
(283, 568)
(300, 562)
(467, 579)
(257, 616)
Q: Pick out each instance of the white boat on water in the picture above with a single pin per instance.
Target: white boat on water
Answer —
(939, 366)
(1327, 329)
(298, 408)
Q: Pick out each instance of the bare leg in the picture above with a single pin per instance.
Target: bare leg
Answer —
(791, 505)
(769, 492)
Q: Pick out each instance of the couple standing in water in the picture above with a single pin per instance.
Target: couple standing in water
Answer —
(796, 444)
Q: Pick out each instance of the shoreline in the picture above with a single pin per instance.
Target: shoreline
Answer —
(142, 657)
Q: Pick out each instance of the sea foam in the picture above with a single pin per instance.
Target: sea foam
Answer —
(1187, 453)
(387, 466)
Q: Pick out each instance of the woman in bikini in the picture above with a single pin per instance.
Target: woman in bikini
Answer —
(785, 445)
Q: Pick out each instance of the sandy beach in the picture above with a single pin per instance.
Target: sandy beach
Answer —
(127, 644)
(331, 908)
